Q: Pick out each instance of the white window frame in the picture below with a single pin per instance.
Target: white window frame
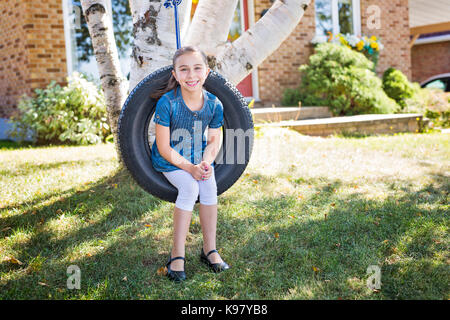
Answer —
(356, 7)
(251, 22)
(69, 29)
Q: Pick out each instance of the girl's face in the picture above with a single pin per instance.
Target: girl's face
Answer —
(190, 71)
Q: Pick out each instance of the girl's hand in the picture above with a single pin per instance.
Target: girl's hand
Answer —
(208, 170)
(197, 171)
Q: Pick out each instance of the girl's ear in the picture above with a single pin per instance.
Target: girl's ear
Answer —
(174, 75)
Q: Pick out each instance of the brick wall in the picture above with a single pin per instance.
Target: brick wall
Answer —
(280, 70)
(430, 59)
(393, 33)
(32, 48)
(13, 57)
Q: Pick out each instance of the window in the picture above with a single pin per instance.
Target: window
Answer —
(436, 84)
(337, 16)
(236, 24)
(80, 54)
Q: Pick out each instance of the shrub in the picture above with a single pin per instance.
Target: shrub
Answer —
(343, 80)
(434, 104)
(397, 86)
(74, 114)
(291, 97)
(369, 46)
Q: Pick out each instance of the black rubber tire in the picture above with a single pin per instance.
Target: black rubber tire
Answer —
(135, 150)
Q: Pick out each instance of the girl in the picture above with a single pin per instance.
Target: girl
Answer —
(184, 111)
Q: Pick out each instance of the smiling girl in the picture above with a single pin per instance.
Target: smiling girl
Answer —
(185, 111)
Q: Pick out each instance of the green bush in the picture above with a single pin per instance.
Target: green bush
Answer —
(74, 114)
(438, 118)
(397, 86)
(343, 80)
(434, 104)
(291, 97)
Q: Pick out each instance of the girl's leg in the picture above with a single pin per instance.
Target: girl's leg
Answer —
(208, 221)
(208, 216)
(188, 191)
(181, 222)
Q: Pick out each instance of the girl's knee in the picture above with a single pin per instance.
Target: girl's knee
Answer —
(208, 196)
(187, 196)
(190, 189)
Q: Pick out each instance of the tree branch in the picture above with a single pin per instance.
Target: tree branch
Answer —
(211, 24)
(237, 59)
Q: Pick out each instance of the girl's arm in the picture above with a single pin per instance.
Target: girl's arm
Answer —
(171, 155)
(212, 148)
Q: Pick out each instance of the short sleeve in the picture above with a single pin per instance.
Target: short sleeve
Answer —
(162, 113)
(217, 119)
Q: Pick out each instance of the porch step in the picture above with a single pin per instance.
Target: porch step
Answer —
(261, 115)
(360, 124)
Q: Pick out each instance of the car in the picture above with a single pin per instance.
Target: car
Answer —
(441, 81)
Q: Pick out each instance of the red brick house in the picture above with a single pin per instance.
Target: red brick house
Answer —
(38, 42)
(430, 44)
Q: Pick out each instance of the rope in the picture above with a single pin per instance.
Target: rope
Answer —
(175, 3)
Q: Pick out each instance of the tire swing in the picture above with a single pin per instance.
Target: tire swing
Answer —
(135, 139)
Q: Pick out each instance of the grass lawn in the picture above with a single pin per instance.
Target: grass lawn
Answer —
(305, 221)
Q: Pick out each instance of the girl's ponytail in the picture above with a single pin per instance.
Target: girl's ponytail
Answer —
(172, 84)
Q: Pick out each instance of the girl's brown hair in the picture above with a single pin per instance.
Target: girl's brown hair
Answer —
(172, 83)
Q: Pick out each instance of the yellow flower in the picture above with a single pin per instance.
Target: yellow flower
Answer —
(360, 45)
(373, 38)
(374, 45)
(330, 36)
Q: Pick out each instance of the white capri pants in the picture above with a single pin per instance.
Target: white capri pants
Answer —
(189, 189)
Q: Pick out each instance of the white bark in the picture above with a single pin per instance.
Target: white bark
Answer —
(211, 24)
(114, 85)
(154, 36)
(155, 40)
(237, 59)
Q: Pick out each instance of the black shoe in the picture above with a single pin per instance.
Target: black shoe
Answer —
(216, 267)
(176, 276)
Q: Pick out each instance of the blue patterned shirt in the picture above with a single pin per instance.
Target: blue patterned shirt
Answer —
(187, 127)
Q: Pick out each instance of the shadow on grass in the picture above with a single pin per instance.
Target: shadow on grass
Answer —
(326, 256)
(13, 145)
(285, 249)
(28, 168)
(103, 210)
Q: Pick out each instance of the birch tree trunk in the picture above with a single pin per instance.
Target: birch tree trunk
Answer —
(114, 85)
(155, 44)
(211, 24)
(155, 40)
(154, 36)
(237, 59)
